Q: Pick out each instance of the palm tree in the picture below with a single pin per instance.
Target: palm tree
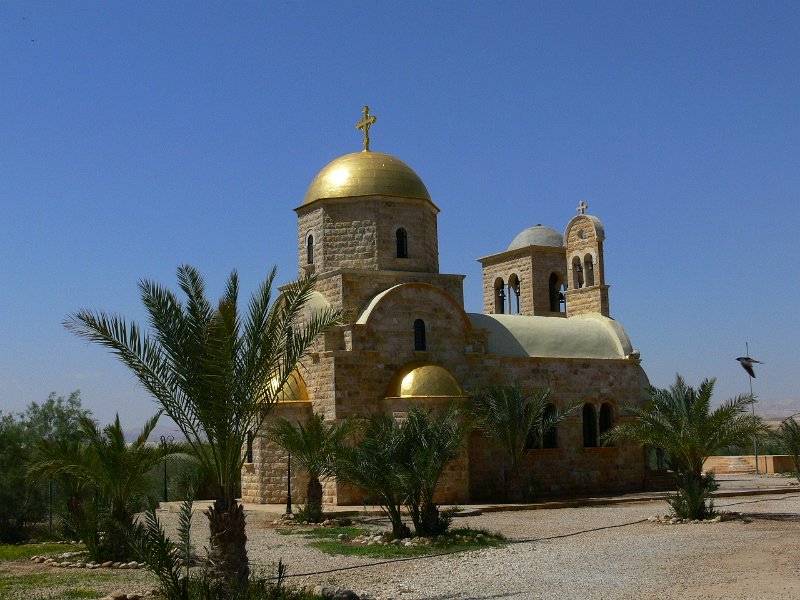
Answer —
(372, 464)
(788, 436)
(435, 441)
(210, 369)
(509, 416)
(313, 447)
(679, 420)
(104, 461)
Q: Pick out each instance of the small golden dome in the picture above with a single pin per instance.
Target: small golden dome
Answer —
(422, 382)
(294, 390)
(366, 174)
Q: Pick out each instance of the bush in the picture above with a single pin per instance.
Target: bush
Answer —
(693, 497)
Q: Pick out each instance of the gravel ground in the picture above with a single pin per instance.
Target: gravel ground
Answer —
(602, 552)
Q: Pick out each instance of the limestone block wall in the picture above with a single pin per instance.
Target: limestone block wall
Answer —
(418, 218)
(513, 264)
(587, 299)
(588, 291)
(309, 222)
(264, 480)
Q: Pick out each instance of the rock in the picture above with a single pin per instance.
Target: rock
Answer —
(133, 565)
(345, 595)
(123, 566)
(118, 595)
(115, 565)
(107, 564)
(133, 597)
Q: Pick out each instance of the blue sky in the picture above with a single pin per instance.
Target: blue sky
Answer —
(138, 136)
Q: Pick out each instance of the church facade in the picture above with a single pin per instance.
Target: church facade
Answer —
(367, 228)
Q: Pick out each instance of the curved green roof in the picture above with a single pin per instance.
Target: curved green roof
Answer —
(582, 336)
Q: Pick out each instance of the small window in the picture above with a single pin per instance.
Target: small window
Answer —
(513, 294)
(577, 273)
(310, 250)
(419, 336)
(554, 290)
(589, 426)
(588, 270)
(606, 418)
(402, 243)
(249, 457)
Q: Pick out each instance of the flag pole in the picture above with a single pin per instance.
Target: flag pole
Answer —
(753, 407)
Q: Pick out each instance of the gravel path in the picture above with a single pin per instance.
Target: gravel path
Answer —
(601, 552)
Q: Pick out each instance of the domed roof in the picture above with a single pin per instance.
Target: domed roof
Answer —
(294, 390)
(366, 174)
(538, 235)
(422, 381)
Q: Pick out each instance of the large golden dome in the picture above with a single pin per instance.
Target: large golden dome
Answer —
(366, 174)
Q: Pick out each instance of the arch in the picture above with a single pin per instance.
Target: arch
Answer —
(420, 345)
(577, 273)
(310, 249)
(606, 418)
(554, 288)
(550, 436)
(513, 294)
(423, 380)
(401, 238)
(588, 270)
(499, 296)
(589, 426)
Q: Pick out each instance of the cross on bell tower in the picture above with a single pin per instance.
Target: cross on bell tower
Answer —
(582, 206)
(364, 124)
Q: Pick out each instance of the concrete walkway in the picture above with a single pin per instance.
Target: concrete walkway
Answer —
(730, 485)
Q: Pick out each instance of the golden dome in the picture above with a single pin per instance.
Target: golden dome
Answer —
(294, 390)
(366, 174)
(424, 381)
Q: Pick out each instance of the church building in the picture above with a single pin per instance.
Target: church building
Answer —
(367, 228)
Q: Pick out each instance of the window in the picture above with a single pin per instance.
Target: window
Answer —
(589, 426)
(606, 417)
(419, 336)
(499, 296)
(310, 250)
(588, 269)
(513, 294)
(554, 292)
(577, 273)
(249, 457)
(402, 243)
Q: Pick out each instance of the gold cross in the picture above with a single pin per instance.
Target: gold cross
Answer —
(582, 207)
(364, 124)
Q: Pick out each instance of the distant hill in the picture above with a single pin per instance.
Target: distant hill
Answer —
(777, 410)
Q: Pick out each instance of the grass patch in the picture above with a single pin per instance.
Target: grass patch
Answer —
(326, 539)
(54, 584)
(25, 551)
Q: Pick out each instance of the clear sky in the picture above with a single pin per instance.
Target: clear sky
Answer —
(136, 136)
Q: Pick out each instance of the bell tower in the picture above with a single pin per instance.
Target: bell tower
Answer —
(587, 290)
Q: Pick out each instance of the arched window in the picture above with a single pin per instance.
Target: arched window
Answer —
(606, 417)
(562, 299)
(402, 243)
(554, 291)
(419, 336)
(588, 270)
(577, 273)
(499, 296)
(550, 436)
(249, 453)
(310, 250)
(589, 426)
(513, 294)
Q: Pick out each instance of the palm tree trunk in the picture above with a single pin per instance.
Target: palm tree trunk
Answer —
(314, 499)
(229, 567)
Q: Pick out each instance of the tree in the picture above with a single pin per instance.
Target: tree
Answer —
(313, 447)
(117, 472)
(788, 436)
(435, 441)
(679, 420)
(210, 369)
(509, 416)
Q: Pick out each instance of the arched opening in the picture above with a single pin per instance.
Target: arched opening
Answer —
(588, 270)
(562, 299)
(310, 250)
(550, 436)
(589, 426)
(513, 294)
(499, 296)
(577, 273)
(554, 292)
(419, 336)
(402, 243)
(606, 419)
